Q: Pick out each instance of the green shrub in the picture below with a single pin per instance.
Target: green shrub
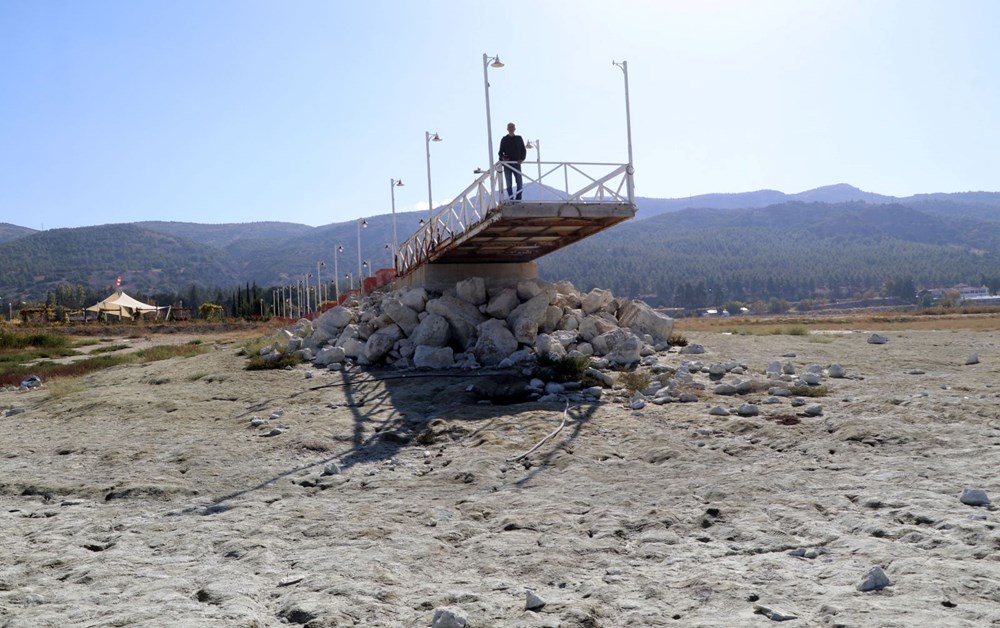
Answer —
(258, 363)
(677, 340)
(634, 381)
(35, 339)
(810, 391)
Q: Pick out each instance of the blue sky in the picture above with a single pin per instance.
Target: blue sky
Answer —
(218, 111)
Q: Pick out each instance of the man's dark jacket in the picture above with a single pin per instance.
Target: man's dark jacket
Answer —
(512, 148)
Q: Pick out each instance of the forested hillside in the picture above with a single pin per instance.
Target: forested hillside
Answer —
(10, 232)
(95, 256)
(223, 235)
(677, 252)
(794, 251)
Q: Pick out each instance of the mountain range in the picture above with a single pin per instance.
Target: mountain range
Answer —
(728, 235)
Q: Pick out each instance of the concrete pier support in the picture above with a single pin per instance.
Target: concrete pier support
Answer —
(439, 277)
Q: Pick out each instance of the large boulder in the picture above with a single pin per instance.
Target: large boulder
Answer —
(501, 305)
(425, 357)
(494, 343)
(317, 339)
(328, 356)
(349, 333)
(595, 300)
(549, 346)
(593, 326)
(333, 320)
(610, 340)
(414, 298)
(353, 348)
(380, 343)
(643, 319)
(570, 319)
(565, 337)
(471, 290)
(404, 316)
(627, 352)
(529, 289)
(302, 328)
(525, 319)
(462, 316)
(433, 331)
(550, 321)
(280, 339)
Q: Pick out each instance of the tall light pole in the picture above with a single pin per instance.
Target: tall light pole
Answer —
(496, 63)
(350, 281)
(336, 273)
(393, 184)
(361, 223)
(628, 129)
(305, 283)
(537, 145)
(430, 137)
(319, 285)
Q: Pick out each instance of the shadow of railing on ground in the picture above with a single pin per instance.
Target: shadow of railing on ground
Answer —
(381, 427)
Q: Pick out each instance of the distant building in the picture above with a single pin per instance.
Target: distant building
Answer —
(972, 292)
(967, 295)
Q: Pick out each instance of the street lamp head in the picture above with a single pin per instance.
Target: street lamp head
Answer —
(340, 248)
(364, 223)
(497, 63)
(529, 145)
(478, 171)
(398, 182)
(433, 138)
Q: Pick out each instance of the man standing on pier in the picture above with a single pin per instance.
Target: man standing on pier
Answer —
(512, 153)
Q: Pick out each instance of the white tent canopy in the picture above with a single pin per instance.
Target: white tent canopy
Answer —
(122, 305)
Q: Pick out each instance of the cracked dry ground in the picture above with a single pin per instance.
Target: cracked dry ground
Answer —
(145, 498)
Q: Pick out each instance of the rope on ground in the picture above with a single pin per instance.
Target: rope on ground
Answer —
(541, 442)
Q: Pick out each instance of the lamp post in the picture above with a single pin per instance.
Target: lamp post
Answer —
(350, 281)
(393, 184)
(319, 285)
(628, 129)
(496, 63)
(429, 137)
(537, 145)
(306, 285)
(361, 223)
(336, 273)
(368, 264)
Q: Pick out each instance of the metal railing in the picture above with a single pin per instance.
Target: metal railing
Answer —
(557, 182)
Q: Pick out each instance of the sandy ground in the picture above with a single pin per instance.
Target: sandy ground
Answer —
(145, 497)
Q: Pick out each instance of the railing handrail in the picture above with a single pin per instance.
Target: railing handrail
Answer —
(483, 195)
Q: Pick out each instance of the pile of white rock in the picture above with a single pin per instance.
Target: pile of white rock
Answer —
(470, 326)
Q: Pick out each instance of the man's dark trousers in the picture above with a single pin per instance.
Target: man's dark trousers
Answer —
(512, 169)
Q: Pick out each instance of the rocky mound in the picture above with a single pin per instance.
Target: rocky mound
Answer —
(470, 327)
